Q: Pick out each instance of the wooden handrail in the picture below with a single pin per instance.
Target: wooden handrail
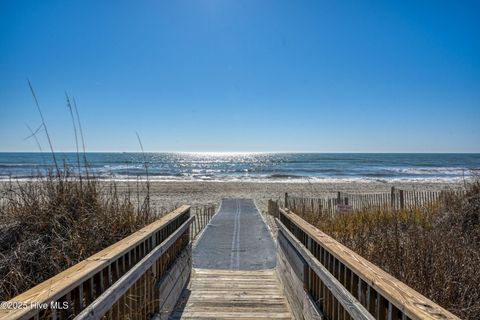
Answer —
(75, 277)
(103, 303)
(408, 301)
(353, 307)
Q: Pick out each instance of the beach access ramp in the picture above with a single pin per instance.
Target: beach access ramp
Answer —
(233, 273)
(235, 239)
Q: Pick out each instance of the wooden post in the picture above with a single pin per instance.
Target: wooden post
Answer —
(402, 200)
(338, 197)
(392, 198)
(286, 200)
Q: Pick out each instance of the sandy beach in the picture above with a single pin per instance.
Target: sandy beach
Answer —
(167, 195)
(171, 194)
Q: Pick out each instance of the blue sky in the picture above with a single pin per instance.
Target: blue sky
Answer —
(328, 76)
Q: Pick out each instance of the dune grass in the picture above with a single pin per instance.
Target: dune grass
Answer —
(435, 249)
(57, 220)
(64, 215)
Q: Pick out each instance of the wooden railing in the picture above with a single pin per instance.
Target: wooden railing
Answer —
(344, 285)
(202, 215)
(123, 281)
(396, 199)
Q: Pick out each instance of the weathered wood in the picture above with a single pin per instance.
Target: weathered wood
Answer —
(173, 282)
(293, 286)
(65, 282)
(412, 303)
(296, 262)
(103, 303)
(300, 302)
(402, 200)
(239, 295)
(341, 294)
(394, 199)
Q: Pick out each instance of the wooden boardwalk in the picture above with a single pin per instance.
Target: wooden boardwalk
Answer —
(234, 269)
(238, 272)
(233, 294)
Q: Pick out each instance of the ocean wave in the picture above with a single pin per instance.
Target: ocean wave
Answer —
(21, 165)
(319, 180)
(261, 167)
(430, 170)
(288, 176)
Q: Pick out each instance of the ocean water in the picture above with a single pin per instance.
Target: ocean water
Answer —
(261, 167)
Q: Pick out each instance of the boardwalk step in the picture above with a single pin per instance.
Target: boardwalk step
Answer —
(229, 294)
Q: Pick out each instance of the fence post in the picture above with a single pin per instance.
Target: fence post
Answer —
(392, 198)
(286, 200)
(339, 197)
(402, 200)
(190, 230)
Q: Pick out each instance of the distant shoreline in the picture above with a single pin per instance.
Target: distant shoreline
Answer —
(312, 180)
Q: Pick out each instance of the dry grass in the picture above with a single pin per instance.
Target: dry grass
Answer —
(52, 223)
(435, 250)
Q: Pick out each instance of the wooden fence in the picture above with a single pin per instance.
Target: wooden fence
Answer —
(202, 217)
(132, 279)
(343, 201)
(342, 284)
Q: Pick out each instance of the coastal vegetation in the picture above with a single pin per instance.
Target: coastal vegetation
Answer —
(64, 214)
(51, 223)
(434, 249)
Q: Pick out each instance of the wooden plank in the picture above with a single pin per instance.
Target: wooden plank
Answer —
(234, 286)
(236, 314)
(252, 273)
(292, 283)
(306, 308)
(103, 303)
(310, 311)
(415, 305)
(294, 259)
(267, 303)
(342, 295)
(173, 283)
(238, 295)
(62, 283)
(257, 308)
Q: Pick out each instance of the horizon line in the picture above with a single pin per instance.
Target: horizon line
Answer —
(266, 152)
